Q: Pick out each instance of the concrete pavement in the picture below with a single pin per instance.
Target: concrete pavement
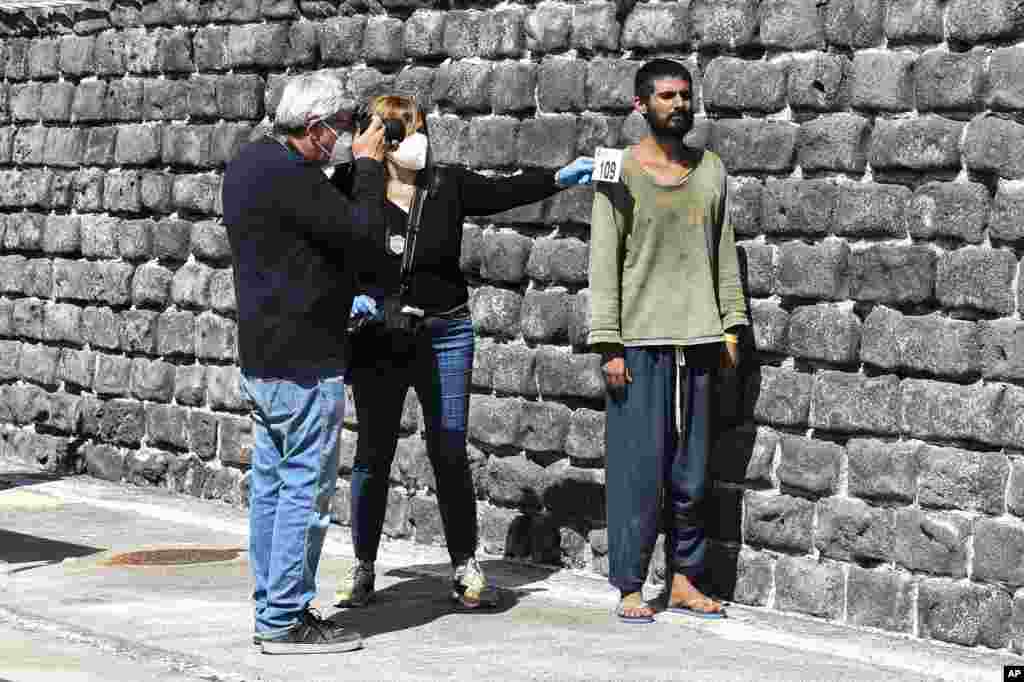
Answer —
(66, 615)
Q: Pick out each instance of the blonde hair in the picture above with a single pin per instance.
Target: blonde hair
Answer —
(401, 107)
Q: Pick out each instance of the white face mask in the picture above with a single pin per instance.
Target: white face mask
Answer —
(411, 153)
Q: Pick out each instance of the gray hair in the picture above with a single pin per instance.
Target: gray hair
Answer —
(319, 95)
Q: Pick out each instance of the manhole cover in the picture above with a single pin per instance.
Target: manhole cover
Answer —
(173, 556)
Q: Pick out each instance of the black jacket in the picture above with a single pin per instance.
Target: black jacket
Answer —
(437, 283)
(297, 241)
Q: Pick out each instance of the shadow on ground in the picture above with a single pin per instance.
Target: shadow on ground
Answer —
(19, 548)
(9, 480)
(424, 596)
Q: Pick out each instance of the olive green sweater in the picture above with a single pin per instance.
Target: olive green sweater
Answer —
(663, 265)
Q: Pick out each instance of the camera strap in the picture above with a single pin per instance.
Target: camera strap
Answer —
(412, 229)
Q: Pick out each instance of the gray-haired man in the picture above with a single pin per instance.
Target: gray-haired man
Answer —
(295, 240)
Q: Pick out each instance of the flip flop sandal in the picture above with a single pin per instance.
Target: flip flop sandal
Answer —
(707, 615)
(620, 613)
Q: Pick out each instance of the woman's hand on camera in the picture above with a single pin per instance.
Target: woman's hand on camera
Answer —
(579, 172)
(369, 144)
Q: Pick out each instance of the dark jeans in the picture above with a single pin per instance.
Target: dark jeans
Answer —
(439, 366)
(652, 469)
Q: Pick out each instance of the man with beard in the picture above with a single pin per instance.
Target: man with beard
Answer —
(666, 305)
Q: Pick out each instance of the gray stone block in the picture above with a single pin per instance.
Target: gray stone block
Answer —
(579, 318)
(496, 312)
(595, 27)
(101, 327)
(966, 614)
(778, 521)
(959, 479)
(449, 139)
(751, 145)
(104, 461)
(99, 148)
(971, 22)
(548, 142)
(807, 586)
(196, 193)
(216, 337)
(809, 466)
(209, 241)
(819, 82)
(585, 441)
(812, 271)
(595, 130)
(880, 599)
(75, 367)
(976, 277)
(190, 287)
(202, 433)
(950, 209)
(854, 23)
(151, 285)
(919, 144)
(869, 209)
(883, 471)
(505, 255)
(739, 84)
(824, 332)
(1002, 349)
(514, 88)
(63, 323)
(893, 274)
(610, 83)
(559, 260)
(494, 421)
(122, 422)
(656, 27)
(28, 318)
(759, 271)
(240, 96)
(930, 343)
(770, 325)
(501, 33)
(798, 206)
(167, 426)
(222, 292)
(113, 375)
(909, 21)
(883, 80)
(224, 389)
(561, 374)
(465, 85)
(851, 530)
(791, 25)
(424, 34)
(190, 384)
(493, 141)
(383, 40)
(236, 442)
(999, 551)
(730, 24)
(152, 380)
(124, 99)
(545, 315)
(950, 80)
(187, 145)
(994, 145)
(462, 33)
(575, 493)
(543, 426)
(121, 191)
(1005, 80)
(779, 396)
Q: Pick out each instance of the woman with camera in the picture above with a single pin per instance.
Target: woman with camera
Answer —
(414, 329)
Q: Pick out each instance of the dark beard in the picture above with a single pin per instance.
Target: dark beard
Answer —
(678, 125)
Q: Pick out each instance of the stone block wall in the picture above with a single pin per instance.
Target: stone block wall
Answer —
(869, 468)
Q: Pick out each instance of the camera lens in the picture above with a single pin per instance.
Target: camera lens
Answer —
(394, 131)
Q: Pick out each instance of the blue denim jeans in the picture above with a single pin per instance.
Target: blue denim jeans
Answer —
(294, 470)
(439, 366)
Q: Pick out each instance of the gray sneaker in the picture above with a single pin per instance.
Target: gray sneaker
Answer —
(357, 589)
(470, 588)
(313, 635)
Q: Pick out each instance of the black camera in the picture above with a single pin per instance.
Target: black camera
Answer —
(394, 128)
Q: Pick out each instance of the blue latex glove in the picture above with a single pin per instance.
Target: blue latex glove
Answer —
(578, 172)
(363, 305)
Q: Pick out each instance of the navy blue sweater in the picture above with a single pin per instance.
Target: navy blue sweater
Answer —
(297, 242)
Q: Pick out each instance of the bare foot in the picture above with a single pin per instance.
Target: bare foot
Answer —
(686, 595)
(634, 606)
